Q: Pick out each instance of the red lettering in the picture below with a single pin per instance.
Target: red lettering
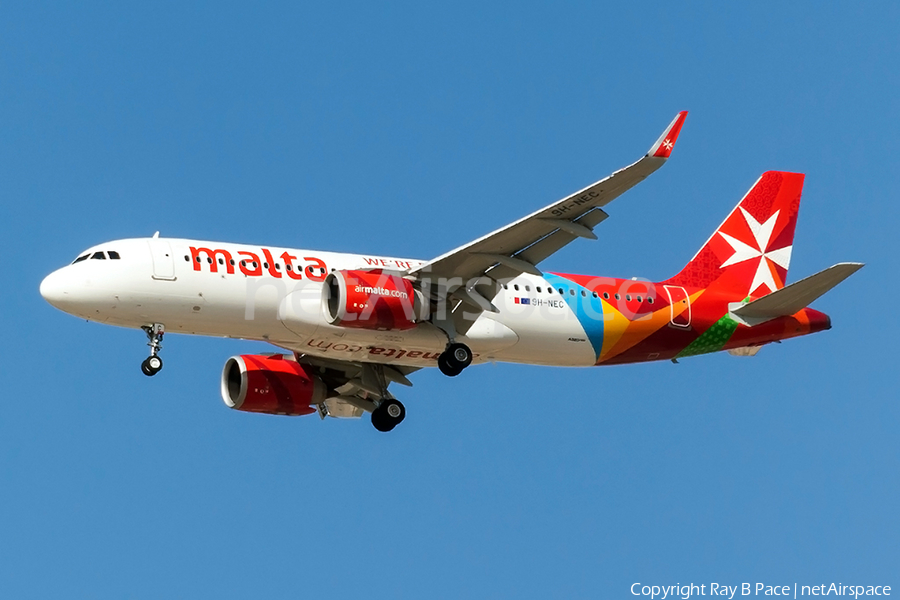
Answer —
(370, 261)
(272, 270)
(289, 266)
(252, 259)
(211, 255)
(376, 350)
(317, 270)
(414, 354)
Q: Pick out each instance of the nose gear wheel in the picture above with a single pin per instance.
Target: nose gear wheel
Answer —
(153, 364)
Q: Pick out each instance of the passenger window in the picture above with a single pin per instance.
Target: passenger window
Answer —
(561, 291)
(571, 292)
(187, 258)
(583, 294)
(618, 297)
(232, 262)
(80, 258)
(516, 287)
(98, 256)
(288, 267)
(221, 261)
(628, 297)
(113, 254)
(606, 295)
(198, 259)
(650, 300)
(209, 259)
(277, 267)
(640, 299)
(595, 294)
(527, 288)
(266, 265)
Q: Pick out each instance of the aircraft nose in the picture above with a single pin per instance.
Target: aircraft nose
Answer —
(53, 289)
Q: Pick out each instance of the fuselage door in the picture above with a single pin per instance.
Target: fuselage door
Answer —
(679, 306)
(163, 262)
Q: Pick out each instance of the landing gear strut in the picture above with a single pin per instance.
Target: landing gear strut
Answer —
(153, 363)
(454, 359)
(388, 415)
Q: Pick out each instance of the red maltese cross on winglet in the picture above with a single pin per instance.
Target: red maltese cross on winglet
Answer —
(663, 146)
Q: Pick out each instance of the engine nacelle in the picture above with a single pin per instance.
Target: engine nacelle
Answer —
(273, 385)
(370, 300)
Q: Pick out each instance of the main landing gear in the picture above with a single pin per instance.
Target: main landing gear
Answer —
(390, 412)
(153, 363)
(454, 359)
(388, 415)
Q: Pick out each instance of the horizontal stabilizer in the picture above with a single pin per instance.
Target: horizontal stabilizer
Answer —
(745, 351)
(798, 295)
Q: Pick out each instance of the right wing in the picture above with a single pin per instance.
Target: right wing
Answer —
(518, 247)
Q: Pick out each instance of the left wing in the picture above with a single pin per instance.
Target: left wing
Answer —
(520, 246)
(359, 385)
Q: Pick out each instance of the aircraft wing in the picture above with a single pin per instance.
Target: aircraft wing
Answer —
(358, 384)
(520, 246)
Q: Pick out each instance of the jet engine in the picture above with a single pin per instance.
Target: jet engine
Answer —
(370, 300)
(274, 385)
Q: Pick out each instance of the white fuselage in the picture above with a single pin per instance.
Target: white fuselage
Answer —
(274, 295)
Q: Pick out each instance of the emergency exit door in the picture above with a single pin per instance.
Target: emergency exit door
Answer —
(679, 306)
(163, 262)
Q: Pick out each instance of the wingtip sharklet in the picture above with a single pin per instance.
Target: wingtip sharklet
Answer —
(662, 148)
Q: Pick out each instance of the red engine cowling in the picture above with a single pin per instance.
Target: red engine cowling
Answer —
(273, 385)
(370, 300)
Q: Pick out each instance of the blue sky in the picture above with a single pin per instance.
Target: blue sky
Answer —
(407, 130)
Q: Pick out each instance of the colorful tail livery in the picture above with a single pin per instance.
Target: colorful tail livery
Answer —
(355, 324)
(749, 254)
(730, 296)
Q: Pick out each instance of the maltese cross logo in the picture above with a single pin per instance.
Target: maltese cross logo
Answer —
(668, 145)
(762, 234)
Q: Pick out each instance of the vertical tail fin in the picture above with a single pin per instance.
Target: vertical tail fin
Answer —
(750, 252)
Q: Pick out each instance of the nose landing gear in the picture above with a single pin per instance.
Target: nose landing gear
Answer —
(454, 359)
(151, 366)
(153, 363)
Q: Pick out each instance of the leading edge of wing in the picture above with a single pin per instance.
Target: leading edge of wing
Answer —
(567, 219)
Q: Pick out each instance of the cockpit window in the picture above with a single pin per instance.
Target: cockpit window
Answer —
(113, 254)
(98, 255)
(80, 258)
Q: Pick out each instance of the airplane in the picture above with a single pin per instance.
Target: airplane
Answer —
(348, 326)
